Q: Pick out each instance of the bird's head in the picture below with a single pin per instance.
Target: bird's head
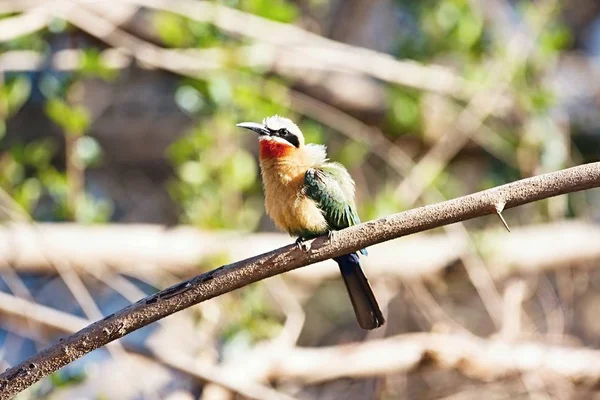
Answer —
(278, 136)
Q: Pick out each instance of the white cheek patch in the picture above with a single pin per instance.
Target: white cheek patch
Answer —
(275, 139)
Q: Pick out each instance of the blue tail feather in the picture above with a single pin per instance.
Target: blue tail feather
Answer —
(363, 300)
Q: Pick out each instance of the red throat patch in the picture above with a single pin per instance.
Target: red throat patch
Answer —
(272, 149)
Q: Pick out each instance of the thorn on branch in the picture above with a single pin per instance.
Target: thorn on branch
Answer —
(499, 206)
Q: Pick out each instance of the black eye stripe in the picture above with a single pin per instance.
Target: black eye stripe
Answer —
(293, 140)
(285, 134)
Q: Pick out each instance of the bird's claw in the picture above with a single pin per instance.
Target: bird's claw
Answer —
(332, 236)
(301, 244)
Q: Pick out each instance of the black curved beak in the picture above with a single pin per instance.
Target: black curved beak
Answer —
(253, 126)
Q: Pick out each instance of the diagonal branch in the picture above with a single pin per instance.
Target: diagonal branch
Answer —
(59, 321)
(313, 48)
(484, 359)
(242, 273)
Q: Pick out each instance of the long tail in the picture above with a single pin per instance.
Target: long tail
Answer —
(363, 300)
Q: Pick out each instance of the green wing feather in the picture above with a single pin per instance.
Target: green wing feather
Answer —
(332, 188)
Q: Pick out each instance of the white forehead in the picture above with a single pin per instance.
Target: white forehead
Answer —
(276, 122)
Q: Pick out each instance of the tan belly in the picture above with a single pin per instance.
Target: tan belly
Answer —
(291, 211)
(297, 215)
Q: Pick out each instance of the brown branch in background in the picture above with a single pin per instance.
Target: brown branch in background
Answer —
(477, 358)
(292, 62)
(107, 29)
(61, 60)
(239, 274)
(470, 120)
(14, 6)
(158, 57)
(149, 251)
(56, 321)
(381, 66)
(303, 50)
(27, 23)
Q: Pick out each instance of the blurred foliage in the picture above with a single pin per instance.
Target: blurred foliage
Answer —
(250, 319)
(177, 31)
(453, 32)
(450, 28)
(64, 379)
(216, 181)
(30, 173)
(92, 65)
(218, 185)
(278, 10)
(74, 120)
(405, 111)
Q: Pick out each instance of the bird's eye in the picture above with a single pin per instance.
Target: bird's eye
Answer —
(282, 132)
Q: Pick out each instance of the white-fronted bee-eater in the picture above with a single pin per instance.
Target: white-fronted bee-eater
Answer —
(307, 196)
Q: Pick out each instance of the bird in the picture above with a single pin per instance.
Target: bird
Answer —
(308, 196)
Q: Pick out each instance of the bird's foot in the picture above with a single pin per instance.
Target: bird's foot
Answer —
(301, 244)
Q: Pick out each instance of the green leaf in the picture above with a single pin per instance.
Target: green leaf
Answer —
(16, 93)
(447, 15)
(278, 10)
(12, 171)
(469, 30)
(92, 64)
(28, 194)
(171, 29)
(39, 153)
(75, 120)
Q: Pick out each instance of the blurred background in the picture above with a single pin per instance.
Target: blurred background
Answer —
(122, 172)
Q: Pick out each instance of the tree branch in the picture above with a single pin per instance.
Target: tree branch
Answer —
(24, 24)
(239, 274)
(60, 321)
(148, 251)
(319, 49)
(483, 359)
